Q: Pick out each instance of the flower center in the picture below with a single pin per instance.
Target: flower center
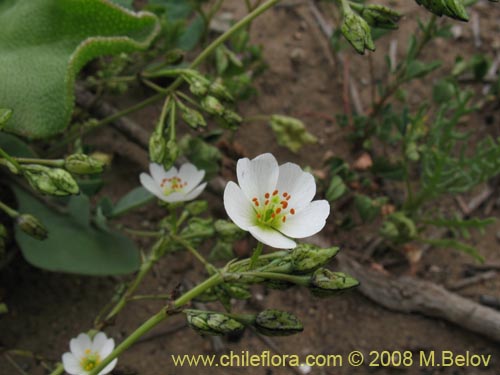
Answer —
(273, 209)
(172, 185)
(90, 361)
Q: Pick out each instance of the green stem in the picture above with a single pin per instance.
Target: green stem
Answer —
(9, 211)
(58, 163)
(142, 233)
(299, 280)
(210, 268)
(9, 158)
(156, 319)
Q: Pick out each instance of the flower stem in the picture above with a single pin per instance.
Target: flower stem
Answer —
(159, 317)
(58, 163)
(210, 268)
(9, 211)
(10, 159)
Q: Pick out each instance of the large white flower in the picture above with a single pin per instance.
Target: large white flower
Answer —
(172, 185)
(86, 354)
(274, 202)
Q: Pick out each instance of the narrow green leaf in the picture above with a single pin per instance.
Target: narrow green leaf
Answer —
(134, 198)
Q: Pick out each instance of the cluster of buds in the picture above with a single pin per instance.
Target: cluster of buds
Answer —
(52, 181)
(213, 97)
(451, 8)
(291, 132)
(268, 322)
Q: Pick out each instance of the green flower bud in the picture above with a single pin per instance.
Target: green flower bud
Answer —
(231, 118)
(192, 117)
(198, 88)
(381, 16)
(357, 32)
(83, 164)
(451, 8)
(157, 147)
(212, 323)
(212, 105)
(291, 132)
(277, 323)
(307, 258)
(32, 226)
(238, 291)
(196, 208)
(326, 283)
(171, 155)
(3, 308)
(228, 230)
(219, 90)
(53, 181)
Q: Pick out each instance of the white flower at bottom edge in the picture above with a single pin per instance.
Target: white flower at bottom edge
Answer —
(86, 354)
(172, 185)
(274, 203)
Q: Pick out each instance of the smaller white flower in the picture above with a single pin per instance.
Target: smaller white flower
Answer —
(274, 202)
(86, 354)
(172, 185)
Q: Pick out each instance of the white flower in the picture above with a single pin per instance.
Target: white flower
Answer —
(172, 185)
(86, 354)
(274, 202)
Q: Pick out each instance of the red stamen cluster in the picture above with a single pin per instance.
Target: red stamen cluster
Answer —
(274, 208)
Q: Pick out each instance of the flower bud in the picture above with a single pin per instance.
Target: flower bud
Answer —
(357, 32)
(212, 323)
(381, 16)
(326, 283)
(83, 164)
(228, 230)
(277, 323)
(32, 226)
(451, 8)
(196, 208)
(212, 105)
(53, 181)
(157, 147)
(192, 117)
(3, 308)
(238, 291)
(291, 132)
(198, 230)
(307, 258)
(232, 118)
(171, 154)
(219, 90)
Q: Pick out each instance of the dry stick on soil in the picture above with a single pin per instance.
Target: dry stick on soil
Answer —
(129, 128)
(468, 281)
(410, 295)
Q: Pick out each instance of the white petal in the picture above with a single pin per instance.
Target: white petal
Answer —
(107, 348)
(194, 193)
(308, 221)
(151, 185)
(271, 237)
(159, 173)
(188, 173)
(109, 367)
(257, 176)
(99, 341)
(299, 184)
(71, 364)
(80, 344)
(238, 206)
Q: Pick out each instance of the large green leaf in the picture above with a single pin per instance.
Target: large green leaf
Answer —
(43, 46)
(73, 244)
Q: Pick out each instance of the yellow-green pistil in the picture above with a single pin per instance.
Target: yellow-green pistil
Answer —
(90, 361)
(273, 210)
(172, 185)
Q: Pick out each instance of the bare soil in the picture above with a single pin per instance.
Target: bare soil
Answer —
(303, 80)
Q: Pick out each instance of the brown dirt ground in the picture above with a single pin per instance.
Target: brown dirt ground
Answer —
(47, 309)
